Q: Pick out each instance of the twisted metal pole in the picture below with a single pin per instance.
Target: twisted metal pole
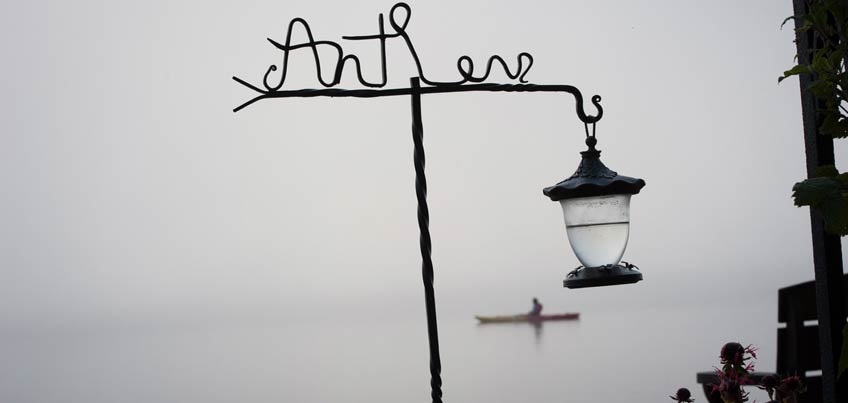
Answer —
(424, 241)
(468, 82)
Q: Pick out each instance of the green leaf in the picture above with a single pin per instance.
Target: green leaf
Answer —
(818, 15)
(787, 20)
(842, 130)
(821, 88)
(829, 125)
(827, 195)
(834, 125)
(834, 208)
(836, 57)
(812, 192)
(843, 358)
(794, 71)
(820, 62)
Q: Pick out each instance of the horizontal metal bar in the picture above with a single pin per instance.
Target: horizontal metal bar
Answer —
(375, 93)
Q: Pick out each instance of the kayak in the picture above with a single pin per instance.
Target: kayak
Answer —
(528, 318)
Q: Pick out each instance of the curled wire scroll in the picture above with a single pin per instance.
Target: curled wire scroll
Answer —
(399, 18)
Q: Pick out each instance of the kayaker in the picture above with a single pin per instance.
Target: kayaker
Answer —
(537, 308)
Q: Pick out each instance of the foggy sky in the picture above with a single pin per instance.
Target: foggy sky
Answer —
(131, 191)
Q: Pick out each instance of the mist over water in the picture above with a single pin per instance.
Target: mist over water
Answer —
(638, 355)
(156, 247)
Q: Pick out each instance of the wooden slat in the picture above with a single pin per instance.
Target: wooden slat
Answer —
(799, 354)
(800, 300)
(797, 345)
(814, 391)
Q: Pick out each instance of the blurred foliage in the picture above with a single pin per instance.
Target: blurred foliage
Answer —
(828, 21)
(827, 193)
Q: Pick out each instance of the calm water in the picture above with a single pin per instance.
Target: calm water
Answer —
(636, 356)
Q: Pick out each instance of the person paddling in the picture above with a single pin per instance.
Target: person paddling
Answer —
(537, 308)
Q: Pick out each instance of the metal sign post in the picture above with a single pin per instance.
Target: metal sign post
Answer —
(399, 18)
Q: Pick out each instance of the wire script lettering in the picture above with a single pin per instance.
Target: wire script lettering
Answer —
(399, 17)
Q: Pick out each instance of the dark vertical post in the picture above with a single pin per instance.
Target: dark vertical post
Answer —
(424, 241)
(827, 249)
